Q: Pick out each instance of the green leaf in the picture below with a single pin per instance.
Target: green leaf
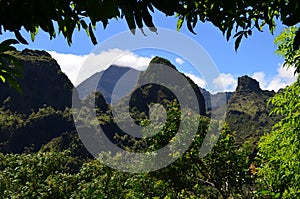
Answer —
(91, 33)
(249, 32)
(20, 38)
(150, 7)
(296, 42)
(14, 83)
(237, 42)
(2, 78)
(147, 18)
(277, 195)
(83, 24)
(130, 21)
(238, 34)
(179, 23)
(32, 34)
(138, 19)
(190, 27)
(6, 45)
(229, 30)
(9, 42)
(257, 25)
(105, 23)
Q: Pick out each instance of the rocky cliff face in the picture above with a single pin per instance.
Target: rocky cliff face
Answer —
(43, 84)
(158, 93)
(247, 111)
(33, 118)
(247, 84)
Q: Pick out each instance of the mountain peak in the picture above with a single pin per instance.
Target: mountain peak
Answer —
(161, 61)
(43, 84)
(35, 53)
(247, 84)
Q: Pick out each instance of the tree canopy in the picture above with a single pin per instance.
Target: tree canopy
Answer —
(237, 16)
(278, 173)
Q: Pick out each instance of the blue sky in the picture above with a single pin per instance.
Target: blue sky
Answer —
(255, 57)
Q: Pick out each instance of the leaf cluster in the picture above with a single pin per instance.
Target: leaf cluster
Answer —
(240, 16)
(10, 66)
(278, 174)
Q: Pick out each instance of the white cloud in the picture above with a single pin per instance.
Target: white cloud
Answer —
(285, 72)
(127, 58)
(198, 80)
(88, 65)
(179, 61)
(284, 77)
(225, 82)
(69, 63)
(260, 77)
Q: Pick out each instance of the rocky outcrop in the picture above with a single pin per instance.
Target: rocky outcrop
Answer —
(158, 93)
(247, 110)
(247, 84)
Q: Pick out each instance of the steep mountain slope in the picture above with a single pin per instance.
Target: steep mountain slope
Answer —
(247, 110)
(41, 116)
(219, 99)
(106, 80)
(157, 93)
(43, 84)
(32, 119)
(110, 77)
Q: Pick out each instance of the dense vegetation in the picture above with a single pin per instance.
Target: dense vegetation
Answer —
(42, 155)
(224, 173)
(278, 159)
(56, 174)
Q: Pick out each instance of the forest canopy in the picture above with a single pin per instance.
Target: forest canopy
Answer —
(239, 17)
(235, 19)
(53, 174)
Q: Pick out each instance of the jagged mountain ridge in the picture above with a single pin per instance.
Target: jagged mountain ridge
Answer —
(110, 77)
(44, 85)
(246, 108)
(247, 111)
(156, 71)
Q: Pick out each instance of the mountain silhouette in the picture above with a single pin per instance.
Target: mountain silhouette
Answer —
(105, 82)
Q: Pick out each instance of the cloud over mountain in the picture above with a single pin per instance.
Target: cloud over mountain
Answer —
(88, 65)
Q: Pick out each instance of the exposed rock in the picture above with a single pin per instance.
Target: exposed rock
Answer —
(247, 84)
(247, 111)
(158, 71)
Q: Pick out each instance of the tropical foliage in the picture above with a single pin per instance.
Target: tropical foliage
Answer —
(279, 155)
(228, 171)
(238, 16)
